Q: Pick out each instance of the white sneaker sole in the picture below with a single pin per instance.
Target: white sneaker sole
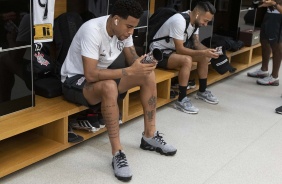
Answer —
(258, 76)
(204, 99)
(182, 110)
(191, 87)
(268, 84)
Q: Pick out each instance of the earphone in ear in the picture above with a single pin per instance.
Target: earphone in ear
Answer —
(197, 16)
(116, 21)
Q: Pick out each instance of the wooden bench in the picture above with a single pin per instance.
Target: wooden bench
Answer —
(35, 133)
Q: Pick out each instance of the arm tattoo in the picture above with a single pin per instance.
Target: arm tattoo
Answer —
(134, 54)
(124, 72)
(197, 44)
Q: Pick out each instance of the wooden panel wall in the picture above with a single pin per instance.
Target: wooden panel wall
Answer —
(60, 7)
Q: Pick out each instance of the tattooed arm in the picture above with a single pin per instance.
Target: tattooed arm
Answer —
(130, 55)
(197, 44)
(200, 47)
(94, 74)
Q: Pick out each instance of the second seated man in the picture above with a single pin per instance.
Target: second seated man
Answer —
(177, 54)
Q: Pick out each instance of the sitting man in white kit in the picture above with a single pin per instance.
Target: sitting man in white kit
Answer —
(87, 80)
(179, 56)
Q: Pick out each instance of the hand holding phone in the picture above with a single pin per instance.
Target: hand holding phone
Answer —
(153, 56)
(219, 50)
(149, 58)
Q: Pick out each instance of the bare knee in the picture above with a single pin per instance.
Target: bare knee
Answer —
(109, 89)
(186, 62)
(204, 62)
(148, 80)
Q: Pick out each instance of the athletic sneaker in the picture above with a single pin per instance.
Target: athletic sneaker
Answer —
(268, 81)
(191, 85)
(258, 73)
(207, 96)
(278, 110)
(81, 125)
(120, 166)
(93, 120)
(157, 144)
(186, 106)
(89, 123)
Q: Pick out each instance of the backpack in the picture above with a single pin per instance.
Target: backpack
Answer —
(159, 17)
(227, 42)
(41, 61)
(65, 27)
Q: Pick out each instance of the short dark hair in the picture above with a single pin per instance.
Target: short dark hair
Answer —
(125, 8)
(206, 6)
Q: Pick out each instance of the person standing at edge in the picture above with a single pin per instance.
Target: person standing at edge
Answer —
(271, 42)
(87, 80)
(277, 4)
(178, 55)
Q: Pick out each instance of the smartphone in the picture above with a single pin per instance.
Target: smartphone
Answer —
(149, 58)
(153, 56)
(219, 50)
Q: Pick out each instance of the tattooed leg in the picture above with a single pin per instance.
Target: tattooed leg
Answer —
(150, 116)
(111, 114)
(148, 96)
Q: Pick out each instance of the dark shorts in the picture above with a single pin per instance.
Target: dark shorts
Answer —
(166, 55)
(168, 52)
(73, 91)
(271, 28)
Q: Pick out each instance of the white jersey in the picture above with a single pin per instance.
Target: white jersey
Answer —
(92, 41)
(174, 27)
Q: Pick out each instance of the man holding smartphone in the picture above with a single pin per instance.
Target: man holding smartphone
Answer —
(178, 55)
(88, 79)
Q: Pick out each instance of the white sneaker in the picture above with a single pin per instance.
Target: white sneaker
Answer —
(268, 81)
(120, 166)
(186, 106)
(207, 96)
(258, 74)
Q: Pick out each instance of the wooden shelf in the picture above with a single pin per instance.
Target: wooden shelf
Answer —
(24, 149)
(22, 121)
(87, 135)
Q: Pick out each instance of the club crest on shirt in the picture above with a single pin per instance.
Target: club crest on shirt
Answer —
(120, 45)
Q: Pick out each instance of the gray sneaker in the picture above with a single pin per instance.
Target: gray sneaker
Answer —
(207, 96)
(268, 81)
(186, 106)
(157, 144)
(120, 166)
(258, 73)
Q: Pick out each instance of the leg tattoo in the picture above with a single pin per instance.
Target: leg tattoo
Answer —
(152, 102)
(110, 115)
